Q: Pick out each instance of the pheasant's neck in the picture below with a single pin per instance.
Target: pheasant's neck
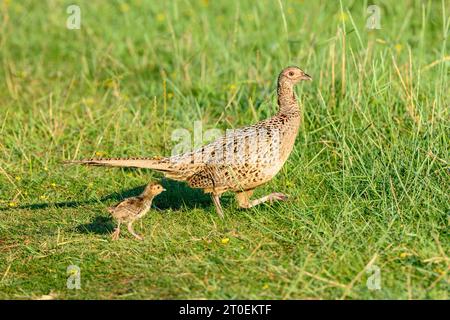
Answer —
(287, 102)
(147, 199)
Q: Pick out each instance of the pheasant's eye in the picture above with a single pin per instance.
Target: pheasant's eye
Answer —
(291, 73)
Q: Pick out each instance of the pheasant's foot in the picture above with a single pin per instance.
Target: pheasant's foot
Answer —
(277, 196)
(116, 233)
(244, 201)
(139, 237)
(130, 229)
(216, 200)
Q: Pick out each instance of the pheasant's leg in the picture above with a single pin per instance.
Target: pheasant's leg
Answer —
(130, 228)
(116, 232)
(243, 198)
(216, 200)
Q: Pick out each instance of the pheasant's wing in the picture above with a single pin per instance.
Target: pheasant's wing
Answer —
(127, 208)
(220, 177)
(240, 158)
(243, 144)
(205, 178)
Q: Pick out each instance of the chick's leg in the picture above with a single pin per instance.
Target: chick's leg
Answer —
(116, 232)
(130, 228)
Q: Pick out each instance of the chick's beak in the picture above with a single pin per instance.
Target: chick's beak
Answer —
(306, 77)
(164, 189)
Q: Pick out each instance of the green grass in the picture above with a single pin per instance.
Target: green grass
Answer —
(368, 177)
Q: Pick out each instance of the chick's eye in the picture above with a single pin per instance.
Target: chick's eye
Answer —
(291, 73)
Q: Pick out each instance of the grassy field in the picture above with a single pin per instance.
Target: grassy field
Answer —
(368, 178)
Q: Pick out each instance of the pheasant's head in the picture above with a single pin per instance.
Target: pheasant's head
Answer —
(153, 189)
(293, 75)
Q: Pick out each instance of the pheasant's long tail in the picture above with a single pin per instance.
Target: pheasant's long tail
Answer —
(164, 165)
(149, 163)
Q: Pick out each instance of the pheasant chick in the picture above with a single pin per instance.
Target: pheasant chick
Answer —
(131, 209)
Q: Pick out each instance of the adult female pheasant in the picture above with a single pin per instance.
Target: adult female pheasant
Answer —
(241, 160)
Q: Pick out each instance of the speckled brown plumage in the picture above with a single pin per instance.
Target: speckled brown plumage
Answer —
(239, 161)
(131, 209)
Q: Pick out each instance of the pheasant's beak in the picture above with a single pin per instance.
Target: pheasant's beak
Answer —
(164, 189)
(306, 77)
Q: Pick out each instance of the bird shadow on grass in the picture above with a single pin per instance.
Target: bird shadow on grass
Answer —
(177, 196)
(99, 225)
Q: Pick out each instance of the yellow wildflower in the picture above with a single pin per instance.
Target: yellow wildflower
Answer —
(438, 270)
(12, 204)
(403, 255)
(343, 16)
(110, 83)
(160, 17)
(225, 240)
(23, 74)
(124, 7)
(89, 101)
(265, 286)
